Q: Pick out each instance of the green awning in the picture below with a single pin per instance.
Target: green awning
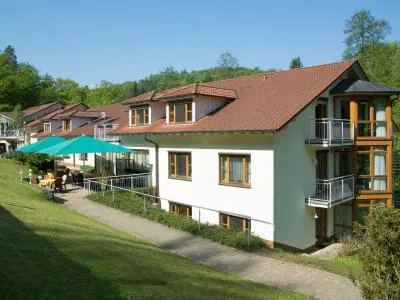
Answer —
(42, 144)
(83, 144)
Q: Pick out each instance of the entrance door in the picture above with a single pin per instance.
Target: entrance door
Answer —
(321, 173)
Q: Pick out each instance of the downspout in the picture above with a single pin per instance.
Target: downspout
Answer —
(156, 164)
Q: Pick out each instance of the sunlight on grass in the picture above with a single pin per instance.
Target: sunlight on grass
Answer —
(50, 252)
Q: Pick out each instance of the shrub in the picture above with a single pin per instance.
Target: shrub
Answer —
(379, 255)
(39, 162)
(17, 156)
(134, 204)
(87, 170)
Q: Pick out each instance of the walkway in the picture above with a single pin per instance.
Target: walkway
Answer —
(273, 272)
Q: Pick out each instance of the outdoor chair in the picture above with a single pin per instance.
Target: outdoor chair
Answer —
(64, 181)
(58, 185)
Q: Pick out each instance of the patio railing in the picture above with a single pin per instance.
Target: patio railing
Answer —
(132, 185)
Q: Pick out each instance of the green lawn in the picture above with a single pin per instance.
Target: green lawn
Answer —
(50, 252)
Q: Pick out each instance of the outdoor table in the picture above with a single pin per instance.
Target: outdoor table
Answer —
(47, 182)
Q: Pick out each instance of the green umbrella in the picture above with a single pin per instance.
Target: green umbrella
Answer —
(42, 144)
(83, 144)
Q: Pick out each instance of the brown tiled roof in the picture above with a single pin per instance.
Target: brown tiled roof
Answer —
(200, 89)
(113, 113)
(53, 115)
(34, 109)
(265, 102)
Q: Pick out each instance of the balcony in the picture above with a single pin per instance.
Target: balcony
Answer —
(11, 134)
(331, 192)
(329, 132)
(101, 133)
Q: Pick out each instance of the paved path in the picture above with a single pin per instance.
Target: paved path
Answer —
(273, 272)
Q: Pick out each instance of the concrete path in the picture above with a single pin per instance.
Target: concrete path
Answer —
(273, 272)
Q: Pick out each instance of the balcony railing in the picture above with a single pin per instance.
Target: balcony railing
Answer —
(101, 133)
(329, 132)
(331, 192)
(14, 133)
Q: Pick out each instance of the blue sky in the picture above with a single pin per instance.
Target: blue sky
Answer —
(89, 41)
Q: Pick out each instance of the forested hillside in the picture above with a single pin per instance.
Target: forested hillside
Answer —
(21, 83)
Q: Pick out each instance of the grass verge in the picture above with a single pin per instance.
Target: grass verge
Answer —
(50, 252)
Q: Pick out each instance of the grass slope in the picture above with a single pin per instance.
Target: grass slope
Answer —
(50, 252)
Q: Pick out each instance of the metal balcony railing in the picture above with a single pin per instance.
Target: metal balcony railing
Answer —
(12, 133)
(101, 133)
(329, 132)
(331, 192)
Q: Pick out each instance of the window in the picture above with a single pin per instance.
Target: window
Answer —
(67, 125)
(372, 118)
(364, 207)
(180, 112)
(235, 169)
(233, 222)
(47, 127)
(180, 209)
(180, 165)
(140, 116)
(141, 159)
(83, 156)
(343, 215)
(371, 168)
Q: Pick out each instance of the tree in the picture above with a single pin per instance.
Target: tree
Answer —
(363, 29)
(379, 255)
(296, 63)
(17, 117)
(227, 60)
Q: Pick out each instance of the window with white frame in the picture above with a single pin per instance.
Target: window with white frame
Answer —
(47, 127)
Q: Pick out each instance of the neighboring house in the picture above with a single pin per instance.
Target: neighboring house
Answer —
(294, 156)
(95, 122)
(10, 138)
(32, 117)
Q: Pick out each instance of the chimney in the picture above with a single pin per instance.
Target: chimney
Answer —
(103, 114)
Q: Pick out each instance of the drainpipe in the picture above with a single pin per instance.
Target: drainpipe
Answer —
(156, 164)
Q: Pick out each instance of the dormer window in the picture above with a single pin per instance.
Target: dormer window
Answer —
(140, 116)
(67, 125)
(47, 127)
(180, 112)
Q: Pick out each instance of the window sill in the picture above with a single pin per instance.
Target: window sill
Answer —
(248, 186)
(180, 178)
(369, 192)
(139, 125)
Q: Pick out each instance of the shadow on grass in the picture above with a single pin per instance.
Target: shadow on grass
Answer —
(33, 268)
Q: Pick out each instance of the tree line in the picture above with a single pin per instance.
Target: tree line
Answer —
(21, 83)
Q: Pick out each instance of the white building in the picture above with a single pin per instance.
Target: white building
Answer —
(286, 154)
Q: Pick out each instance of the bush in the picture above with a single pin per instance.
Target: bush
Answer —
(134, 204)
(87, 170)
(379, 254)
(17, 156)
(39, 162)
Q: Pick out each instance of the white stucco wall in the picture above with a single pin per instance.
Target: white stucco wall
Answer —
(294, 172)
(70, 161)
(204, 189)
(206, 104)
(157, 111)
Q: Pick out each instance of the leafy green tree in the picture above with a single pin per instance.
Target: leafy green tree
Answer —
(379, 255)
(361, 30)
(296, 63)
(17, 117)
(227, 60)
